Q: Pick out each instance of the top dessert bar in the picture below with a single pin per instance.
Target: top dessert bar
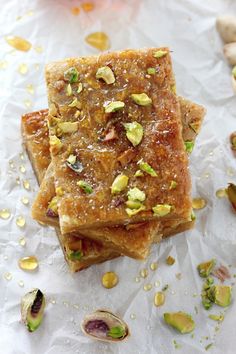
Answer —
(115, 137)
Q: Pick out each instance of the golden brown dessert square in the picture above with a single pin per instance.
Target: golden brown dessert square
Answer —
(82, 108)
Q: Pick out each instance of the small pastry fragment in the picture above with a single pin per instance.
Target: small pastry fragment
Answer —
(105, 326)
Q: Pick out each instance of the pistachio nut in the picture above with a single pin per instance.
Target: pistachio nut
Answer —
(80, 88)
(136, 194)
(220, 295)
(230, 53)
(74, 164)
(134, 132)
(52, 209)
(160, 53)
(173, 185)
(189, 145)
(161, 209)
(75, 255)
(71, 75)
(132, 212)
(141, 99)
(151, 71)
(32, 309)
(55, 144)
(106, 74)
(113, 106)
(144, 166)
(119, 184)
(85, 187)
(204, 269)
(181, 321)
(68, 127)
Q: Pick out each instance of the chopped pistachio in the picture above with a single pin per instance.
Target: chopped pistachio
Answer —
(161, 209)
(133, 204)
(74, 103)
(52, 209)
(80, 87)
(234, 71)
(55, 143)
(136, 194)
(206, 302)
(141, 99)
(74, 164)
(231, 191)
(134, 132)
(68, 127)
(132, 212)
(181, 321)
(173, 185)
(85, 187)
(75, 255)
(113, 106)
(160, 53)
(71, 75)
(106, 74)
(220, 295)
(219, 318)
(119, 184)
(204, 269)
(71, 159)
(170, 260)
(69, 90)
(138, 173)
(144, 166)
(189, 145)
(151, 71)
(116, 332)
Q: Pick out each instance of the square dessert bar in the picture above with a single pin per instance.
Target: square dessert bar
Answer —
(116, 144)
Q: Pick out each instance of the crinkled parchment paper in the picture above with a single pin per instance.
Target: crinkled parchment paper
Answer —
(203, 76)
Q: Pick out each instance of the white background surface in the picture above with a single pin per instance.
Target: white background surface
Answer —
(203, 76)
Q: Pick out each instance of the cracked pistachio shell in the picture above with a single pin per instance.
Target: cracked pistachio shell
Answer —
(105, 326)
(226, 26)
(32, 309)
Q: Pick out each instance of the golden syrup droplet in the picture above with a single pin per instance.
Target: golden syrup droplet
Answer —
(22, 241)
(87, 6)
(28, 263)
(133, 316)
(38, 49)
(170, 260)
(5, 214)
(30, 89)
(154, 266)
(143, 273)
(22, 157)
(21, 283)
(137, 280)
(20, 221)
(53, 301)
(11, 164)
(28, 103)
(75, 11)
(198, 203)
(221, 193)
(98, 40)
(109, 280)
(3, 64)
(23, 68)
(18, 43)
(26, 184)
(147, 287)
(22, 169)
(8, 276)
(25, 200)
(157, 283)
(159, 298)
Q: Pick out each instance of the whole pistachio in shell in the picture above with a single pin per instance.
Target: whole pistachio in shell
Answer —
(32, 309)
(105, 326)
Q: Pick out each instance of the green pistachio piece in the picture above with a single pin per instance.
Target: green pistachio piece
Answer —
(141, 99)
(113, 106)
(52, 209)
(151, 71)
(234, 71)
(181, 321)
(116, 332)
(106, 74)
(206, 302)
(32, 309)
(55, 143)
(218, 318)
(220, 295)
(134, 132)
(133, 204)
(119, 184)
(132, 212)
(144, 166)
(80, 87)
(173, 185)
(161, 209)
(85, 187)
(75, 103)
(71, 159)
(189, 145)
(69, 90)
(204, 269)
(68, 127)
(138, 173)
(71, 75)
(75, 255)
(136, 194)
(160, 53)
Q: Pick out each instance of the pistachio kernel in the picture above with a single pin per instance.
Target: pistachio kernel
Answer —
(151, 71)
(144, 166)
(220, 295)
(138, 173)
(52, 209)
(85, 187)
(231, 191)
(141, 99)
(132, 212)
(181, 321)
(161, 209)
(204, 269)
(170, 260)
(109, 280)
(160, 53)
(32, 309)
(106, 74)
(74, 164)
(134, 132)
(136, 194)
(173, 185)
(80, 88)
(113, 106)
(75, 255)
(75, 103)
(189, 145)
(119, 184)
(71, 75)
(55, 144)
(68, 127)
(69, 90)
(218, 318)
(133, 204)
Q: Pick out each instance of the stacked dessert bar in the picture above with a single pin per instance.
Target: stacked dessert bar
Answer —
(110, 154)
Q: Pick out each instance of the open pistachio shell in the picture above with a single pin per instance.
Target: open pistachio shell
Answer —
(32, 309)
(105, 326)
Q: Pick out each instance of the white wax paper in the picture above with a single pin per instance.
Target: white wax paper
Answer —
(203, 76)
